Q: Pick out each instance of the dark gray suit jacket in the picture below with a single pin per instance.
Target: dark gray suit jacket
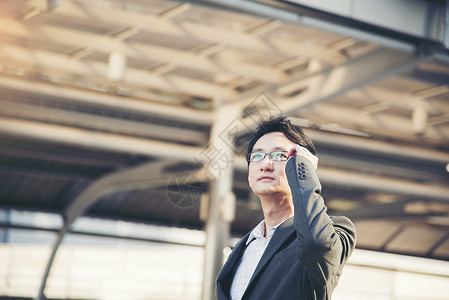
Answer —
(305, 256)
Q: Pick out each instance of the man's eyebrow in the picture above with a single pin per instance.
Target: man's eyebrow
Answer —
(278, 148)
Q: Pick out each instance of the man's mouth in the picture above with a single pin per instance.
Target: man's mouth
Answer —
(265, 178)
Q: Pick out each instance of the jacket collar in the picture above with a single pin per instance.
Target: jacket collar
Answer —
(259, 231)
(282, 233)
(224, 280)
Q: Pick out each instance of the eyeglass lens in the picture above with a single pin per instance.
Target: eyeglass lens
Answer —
(275, 156)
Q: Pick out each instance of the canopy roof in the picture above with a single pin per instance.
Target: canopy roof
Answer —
(106, 106)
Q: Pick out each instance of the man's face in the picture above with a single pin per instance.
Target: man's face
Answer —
(268, 177)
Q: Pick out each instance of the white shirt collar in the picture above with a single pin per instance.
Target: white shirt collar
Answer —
(259, 232)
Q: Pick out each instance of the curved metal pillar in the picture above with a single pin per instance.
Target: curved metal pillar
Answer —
(40, 295)
(145, 176)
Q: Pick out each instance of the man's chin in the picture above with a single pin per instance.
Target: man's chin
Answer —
(267, 191)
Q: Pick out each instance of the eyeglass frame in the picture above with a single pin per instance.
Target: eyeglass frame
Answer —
(248, 156)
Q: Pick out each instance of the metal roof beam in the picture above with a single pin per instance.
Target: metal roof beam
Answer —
(161, 240)
(424, 19)
(414, 190)
(107, 100)
(353, 74)
(377, 147)
(151, 52)
(164, 150)
(375, 124)
(55, 63)
(302, 92)
(97, 140)
(104, 123)
(180, 28)
(356, 19)
(402, 99)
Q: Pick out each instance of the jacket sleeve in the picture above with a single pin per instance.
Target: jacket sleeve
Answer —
(325, 243)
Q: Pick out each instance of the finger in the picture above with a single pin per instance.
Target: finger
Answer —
(299, 150)
(292, 151)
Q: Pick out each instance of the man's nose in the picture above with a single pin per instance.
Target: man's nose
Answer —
(266, 163)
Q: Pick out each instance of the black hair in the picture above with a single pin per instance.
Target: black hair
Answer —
(282, 124)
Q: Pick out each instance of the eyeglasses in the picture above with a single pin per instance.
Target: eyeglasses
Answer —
(275, 156)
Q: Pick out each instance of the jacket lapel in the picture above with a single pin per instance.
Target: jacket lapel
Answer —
(226, 275)
(282, 233)
(234, 257)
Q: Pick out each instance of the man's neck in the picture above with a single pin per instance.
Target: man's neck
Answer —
(276, 210)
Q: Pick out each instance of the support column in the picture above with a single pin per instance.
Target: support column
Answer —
(221, 200)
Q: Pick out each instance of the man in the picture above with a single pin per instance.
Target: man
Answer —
(297, 251)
